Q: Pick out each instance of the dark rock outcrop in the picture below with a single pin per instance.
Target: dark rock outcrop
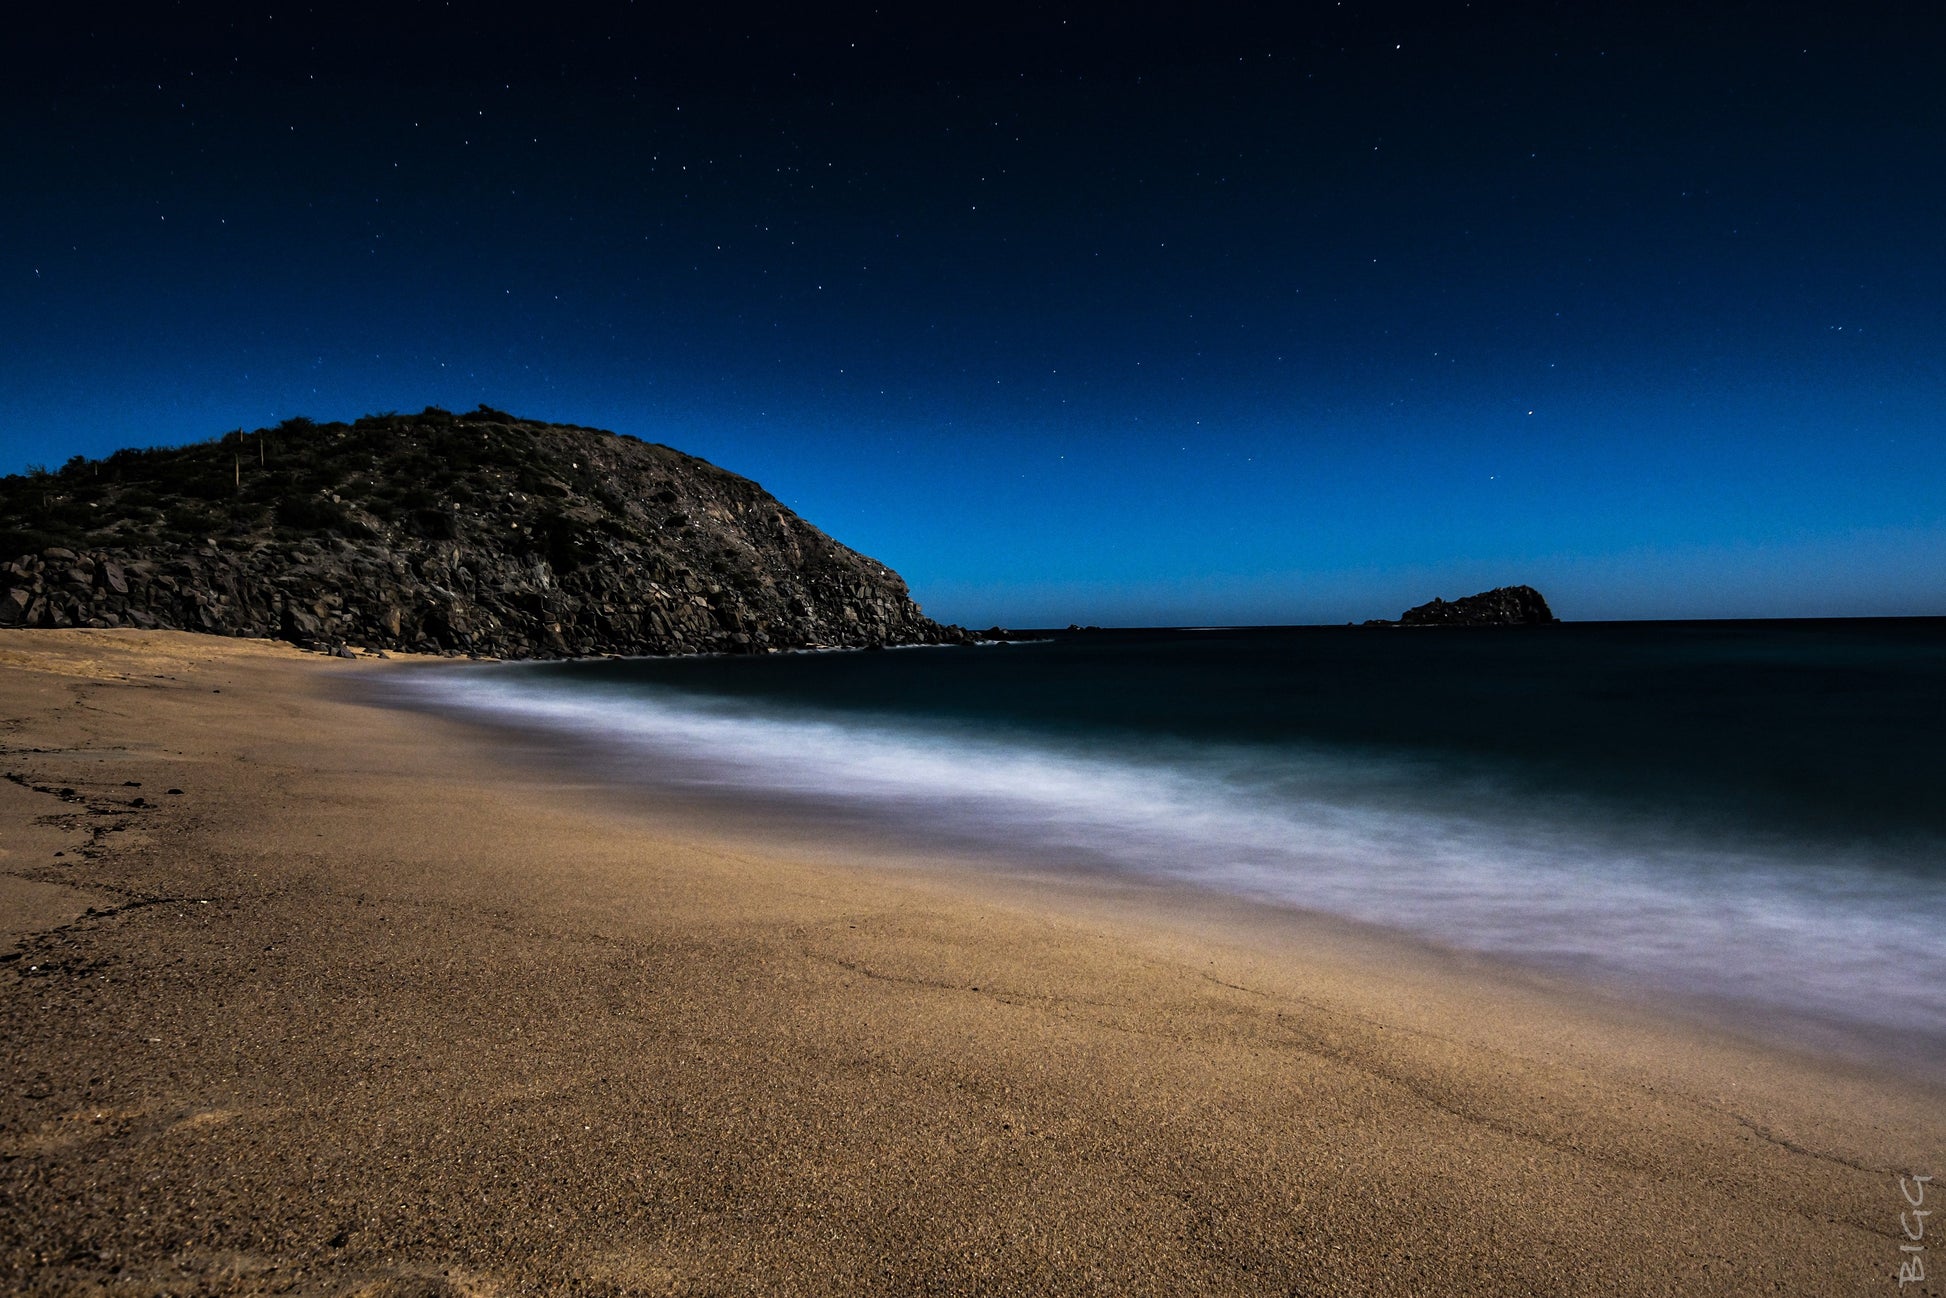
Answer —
(475, 533)
(1502, 606)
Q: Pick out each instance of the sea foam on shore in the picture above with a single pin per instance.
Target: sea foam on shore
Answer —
(1786, 930)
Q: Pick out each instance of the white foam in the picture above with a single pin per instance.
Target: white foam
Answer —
(1381, 842)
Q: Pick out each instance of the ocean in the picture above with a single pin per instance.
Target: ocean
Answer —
(1745, 815)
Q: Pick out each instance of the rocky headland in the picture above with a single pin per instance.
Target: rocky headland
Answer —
(440, 533)
(1501, 606)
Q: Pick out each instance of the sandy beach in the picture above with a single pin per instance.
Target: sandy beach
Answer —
(303, 995)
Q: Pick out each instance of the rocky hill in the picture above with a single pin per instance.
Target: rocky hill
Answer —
(1501, 606)
(477, 533)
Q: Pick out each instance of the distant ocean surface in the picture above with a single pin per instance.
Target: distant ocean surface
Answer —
(1749, 812)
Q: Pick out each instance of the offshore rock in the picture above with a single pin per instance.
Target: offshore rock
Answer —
(480, 534)
(1502, 606)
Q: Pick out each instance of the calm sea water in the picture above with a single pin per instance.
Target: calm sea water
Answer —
(1753, 813)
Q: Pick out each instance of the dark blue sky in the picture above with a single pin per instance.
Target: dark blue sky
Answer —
(1300, 313)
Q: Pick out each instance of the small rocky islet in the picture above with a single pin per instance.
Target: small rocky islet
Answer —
(1501, 606)
(477, 533)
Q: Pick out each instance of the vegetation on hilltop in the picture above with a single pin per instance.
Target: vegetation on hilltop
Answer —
(478, 532)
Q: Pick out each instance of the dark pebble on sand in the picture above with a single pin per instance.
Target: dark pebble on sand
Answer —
(175, 790)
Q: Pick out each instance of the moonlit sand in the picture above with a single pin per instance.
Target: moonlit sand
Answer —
(319, 996)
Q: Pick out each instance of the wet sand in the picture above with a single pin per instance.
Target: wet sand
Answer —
(367, 1008)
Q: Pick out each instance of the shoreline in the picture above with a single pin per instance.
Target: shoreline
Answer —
(377, 1005)
(603, 757)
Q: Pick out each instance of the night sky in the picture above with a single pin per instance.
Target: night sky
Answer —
(1298, 313)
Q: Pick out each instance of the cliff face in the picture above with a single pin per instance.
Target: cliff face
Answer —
(477, 533)
(1502, 606)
